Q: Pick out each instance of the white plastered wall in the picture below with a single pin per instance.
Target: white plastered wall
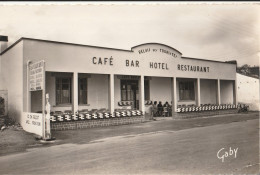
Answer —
(208, 91)
(248, 91)
(12, 80)
(226, 92)
(160, 89)
(97, 92)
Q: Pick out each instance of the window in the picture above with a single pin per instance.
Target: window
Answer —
(83, 91)
(186, 90)
(129, 89)
(127, 93)
(146, 90)
(63, 90)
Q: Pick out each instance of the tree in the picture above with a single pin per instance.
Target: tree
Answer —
(245, 69)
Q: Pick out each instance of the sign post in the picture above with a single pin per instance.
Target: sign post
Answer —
(48, 117)
(36, 83)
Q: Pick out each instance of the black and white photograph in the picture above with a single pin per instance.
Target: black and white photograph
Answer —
(129, 87)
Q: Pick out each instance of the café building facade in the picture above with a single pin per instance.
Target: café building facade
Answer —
(90, 78)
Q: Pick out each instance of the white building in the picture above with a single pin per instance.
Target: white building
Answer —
(81, 77)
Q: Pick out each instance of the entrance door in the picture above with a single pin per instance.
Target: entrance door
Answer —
(135, 92)
(130, 92)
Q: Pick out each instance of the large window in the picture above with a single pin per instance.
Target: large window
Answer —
(63, 90)
(83, 91)
(186, 89)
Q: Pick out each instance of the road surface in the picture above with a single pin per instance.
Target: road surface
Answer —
(163, 151)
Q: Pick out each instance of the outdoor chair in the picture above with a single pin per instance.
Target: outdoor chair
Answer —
(58, 113)
(101, 110)
(165, 112)
(94, 110)
(67, 112)
(159, 111)
(84, 111)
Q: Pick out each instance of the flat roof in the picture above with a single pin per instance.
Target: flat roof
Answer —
(59, 42)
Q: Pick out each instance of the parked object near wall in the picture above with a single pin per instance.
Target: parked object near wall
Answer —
(248, 91)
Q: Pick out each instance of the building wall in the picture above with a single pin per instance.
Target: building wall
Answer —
(208, 91)
(97, 92)
(71, 55)
(226, 92)
(248, 91)
(160, 89)
(12, 80)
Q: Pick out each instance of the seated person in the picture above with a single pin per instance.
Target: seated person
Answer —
(160, 108)
(167, 106)
(154, 109)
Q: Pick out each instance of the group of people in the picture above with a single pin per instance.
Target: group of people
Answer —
(159, 109)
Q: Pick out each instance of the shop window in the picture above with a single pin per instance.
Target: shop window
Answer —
(146, 90)
(186, 90)
(83, 91)
(63, 91)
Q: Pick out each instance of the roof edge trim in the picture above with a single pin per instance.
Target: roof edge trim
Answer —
(209, 60)
(59, 42)
(8, 48)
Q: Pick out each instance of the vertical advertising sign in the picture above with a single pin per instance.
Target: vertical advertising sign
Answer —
(36, 82)
(36, 76)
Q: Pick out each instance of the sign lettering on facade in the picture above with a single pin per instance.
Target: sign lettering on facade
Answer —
(33, 123)
(36, 71)
(152, 65)
(164, 51)
(192, 68)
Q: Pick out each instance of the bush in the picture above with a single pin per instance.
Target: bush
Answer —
(6, 121)
(9, 121)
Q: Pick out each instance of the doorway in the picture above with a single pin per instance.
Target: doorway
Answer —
(130, 92)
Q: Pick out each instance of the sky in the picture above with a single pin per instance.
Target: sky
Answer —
(220, 32)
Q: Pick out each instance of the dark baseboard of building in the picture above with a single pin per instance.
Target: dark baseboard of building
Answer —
(73, 125)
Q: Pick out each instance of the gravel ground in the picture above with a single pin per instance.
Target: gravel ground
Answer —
(14, 139)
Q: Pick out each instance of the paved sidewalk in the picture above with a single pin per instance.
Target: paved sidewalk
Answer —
(160, 124)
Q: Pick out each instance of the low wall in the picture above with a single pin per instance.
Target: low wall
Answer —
(186, 115)
(72, 125)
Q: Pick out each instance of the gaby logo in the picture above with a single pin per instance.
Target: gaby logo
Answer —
(222, 153)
